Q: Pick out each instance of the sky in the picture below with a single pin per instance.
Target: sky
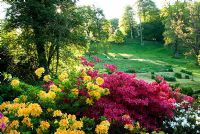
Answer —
(111, 8)
(114, 8)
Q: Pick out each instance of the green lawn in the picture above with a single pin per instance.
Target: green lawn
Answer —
(151, 57)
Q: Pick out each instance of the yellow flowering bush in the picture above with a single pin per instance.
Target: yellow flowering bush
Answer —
(43, 108)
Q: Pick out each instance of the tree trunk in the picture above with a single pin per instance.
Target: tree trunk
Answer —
(57, 59)
(40, 46)
(131, 33)
(176, 53)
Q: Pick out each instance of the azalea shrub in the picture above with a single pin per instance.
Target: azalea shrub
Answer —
(186, 120)
(86, 101)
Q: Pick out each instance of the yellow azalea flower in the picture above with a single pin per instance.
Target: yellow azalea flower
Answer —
(129, 127)
(89, 85)
(63, 123)
(61, 131)
(57, 113)
(77, 125)
(4, 119)
(101, 129)
(35, 109)
(89, 101)
(75, 91)
(39, 71)
(63, 76)
(39, 131)
(71, 117)
(24, 112)
(15, 83)
(14, 132)
(47, 78)
(3, 105)
(87, 78)
(95, 94)
(106, 123)
(99, 81)
(42, 95)
(49, 110)
(16, 100)
(54, 88)
(51, 95)
(14, 124)
(44, 125)
(75, 132)
(27, 122)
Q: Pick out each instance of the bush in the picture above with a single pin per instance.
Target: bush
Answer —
(168, 78)
(186, 72)
(169, 68)
(153, 75)
(185, 121)
(187, 90)
(131, 99)
(174, 86)
(178, 75)
(130, 70)
(58, 104)
(187, 77)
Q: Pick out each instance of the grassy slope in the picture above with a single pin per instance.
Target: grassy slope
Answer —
(151, 57)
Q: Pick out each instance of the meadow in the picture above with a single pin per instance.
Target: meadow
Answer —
(152, 57)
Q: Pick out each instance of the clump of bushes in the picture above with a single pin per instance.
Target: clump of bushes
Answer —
(178, 75)
(130, 70)
(169, 68)
(152, 75)
(187, 90)
(187, 77)
(186, 72)
(105, 101)
(168, 78)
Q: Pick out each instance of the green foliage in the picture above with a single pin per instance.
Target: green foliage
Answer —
(130, 70)
(127, 23)
(186, 71)
(187, 90)
(8, 93)
(89, 125)
(153, 30)
(178, 75)
(168, 78)
(117, 37)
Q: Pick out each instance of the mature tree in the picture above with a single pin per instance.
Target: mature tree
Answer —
(147, 10)
(190, 33)
(45, 24)
(175, 19)
(150, 22)
(95, 25)
(127, 23)
(117, 37)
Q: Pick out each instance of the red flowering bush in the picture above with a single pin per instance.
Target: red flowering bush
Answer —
(135, 100)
